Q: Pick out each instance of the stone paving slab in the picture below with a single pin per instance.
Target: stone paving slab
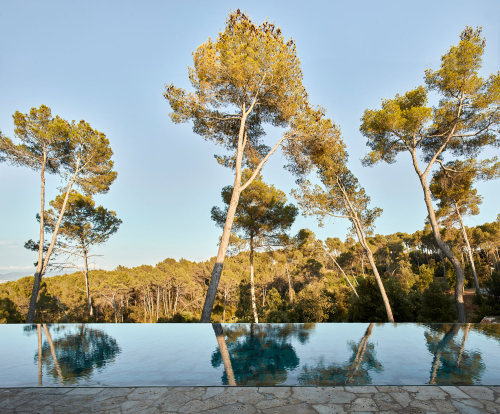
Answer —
(268, 400)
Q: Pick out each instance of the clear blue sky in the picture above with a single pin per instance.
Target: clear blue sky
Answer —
(107, 62)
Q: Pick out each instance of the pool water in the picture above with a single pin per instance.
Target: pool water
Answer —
(249, 354)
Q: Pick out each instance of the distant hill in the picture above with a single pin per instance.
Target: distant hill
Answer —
(7, 277)
(13, 276)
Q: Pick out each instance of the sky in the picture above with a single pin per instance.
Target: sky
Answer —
(108, 63)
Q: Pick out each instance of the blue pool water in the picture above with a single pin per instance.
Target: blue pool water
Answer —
(249, 354)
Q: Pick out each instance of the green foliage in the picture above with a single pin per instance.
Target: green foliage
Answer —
(453, 186)
(464, 121)
(262, 214)
(489, 305)
(43, 141)
(9, 312)
(426, 276)
(437, 304)
(368, 307)
(312, 304)
(249, 75)
(83, 222)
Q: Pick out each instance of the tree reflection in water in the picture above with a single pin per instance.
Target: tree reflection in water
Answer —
(355, 371)
(257, 355)
(75, 355)
(452, 364)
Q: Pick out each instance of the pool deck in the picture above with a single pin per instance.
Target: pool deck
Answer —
(275, 400)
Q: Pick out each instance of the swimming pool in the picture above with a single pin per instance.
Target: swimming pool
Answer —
(249, 354)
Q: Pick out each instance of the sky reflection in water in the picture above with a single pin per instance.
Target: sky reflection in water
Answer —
(248, 354)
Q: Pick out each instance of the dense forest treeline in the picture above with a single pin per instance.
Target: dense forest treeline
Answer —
(308, 281)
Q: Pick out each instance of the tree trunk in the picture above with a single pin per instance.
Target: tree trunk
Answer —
(342, 270)
(224, 308)
(176, 299)
(290, 289)
(231, 211)
(469, 250)
(169, 302)
(385, 299)
(362, 240)
(39, 332)
(157, 303)
(87, 287)
(221, 254)
(252, 284)
(114, 309)
(164, 297)
(459, 272)
(38, 271)
(221, 341)
(360, 232)
(38, 274)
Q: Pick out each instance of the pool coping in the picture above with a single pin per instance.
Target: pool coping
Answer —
(222, 399)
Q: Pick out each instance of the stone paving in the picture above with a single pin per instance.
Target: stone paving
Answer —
(272, 400)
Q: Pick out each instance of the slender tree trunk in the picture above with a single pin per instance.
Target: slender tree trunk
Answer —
(385, 299)
(231, 211)
(39, 334)
(362, 240)
(87, 287)
(342, 270)
(235, 196)
(176, 298)
(164, 297)
(121, 308)
(38, 271)
(252, 284)
(221, 341)
(361, 237)
(114, 309)
(469, 250)
(290, 287)
(459, 272)
(224, 309)
(157, 303)
(170, 303)
(53, 353)
(39, 274)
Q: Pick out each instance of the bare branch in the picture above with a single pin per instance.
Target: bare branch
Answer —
(261, 164)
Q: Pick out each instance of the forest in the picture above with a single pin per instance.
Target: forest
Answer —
(247, 79)
(309, 281)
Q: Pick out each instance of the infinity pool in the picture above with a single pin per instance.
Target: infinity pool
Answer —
(249, 354)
